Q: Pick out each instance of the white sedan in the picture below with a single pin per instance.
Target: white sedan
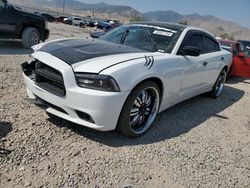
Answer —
(123, 80)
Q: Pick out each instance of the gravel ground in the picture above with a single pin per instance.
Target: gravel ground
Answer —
(201, 142)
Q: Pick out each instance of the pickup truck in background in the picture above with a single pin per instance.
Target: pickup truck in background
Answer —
(17, 24)
(241, 57)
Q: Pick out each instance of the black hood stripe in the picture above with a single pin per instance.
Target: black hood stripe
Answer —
(73, 51)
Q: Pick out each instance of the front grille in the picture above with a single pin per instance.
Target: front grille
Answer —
(49, 79)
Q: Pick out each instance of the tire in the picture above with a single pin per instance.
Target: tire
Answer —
(30, 37)
(81, 25)
(139, 110)
(219, 84)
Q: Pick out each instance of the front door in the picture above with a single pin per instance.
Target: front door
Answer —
(241, 62)
(8, 20)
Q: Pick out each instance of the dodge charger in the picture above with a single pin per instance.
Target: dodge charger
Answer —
(124, 79)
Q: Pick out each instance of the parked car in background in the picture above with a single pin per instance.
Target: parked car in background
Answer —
(98, 34)
(92, 23)
(17, 24)
(105, 25)
(241, 57)
(61, 19)
(67, 20)
(79, 22)
(137, 70)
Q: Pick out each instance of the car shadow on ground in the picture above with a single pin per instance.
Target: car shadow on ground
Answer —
(13, 48)
(171, 123)
(5, 129)
(236, 80)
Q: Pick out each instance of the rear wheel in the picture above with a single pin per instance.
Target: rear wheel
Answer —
(30, 37)
(219, 84)
(139, 110)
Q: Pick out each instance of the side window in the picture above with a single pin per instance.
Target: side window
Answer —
(194, 40)
(210, 45)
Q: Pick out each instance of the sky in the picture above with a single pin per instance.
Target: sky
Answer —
(237, 11)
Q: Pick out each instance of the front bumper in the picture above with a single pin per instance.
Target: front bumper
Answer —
(103, 107)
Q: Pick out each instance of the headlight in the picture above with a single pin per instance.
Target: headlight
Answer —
(98, 82)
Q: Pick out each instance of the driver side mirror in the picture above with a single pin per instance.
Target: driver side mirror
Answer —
(190, 50)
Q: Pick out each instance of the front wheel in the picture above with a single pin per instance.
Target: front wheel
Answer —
(219, 84)
(30, 37)
(139, 110)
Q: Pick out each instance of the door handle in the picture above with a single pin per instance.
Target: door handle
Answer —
(204, 64)
(222, 58)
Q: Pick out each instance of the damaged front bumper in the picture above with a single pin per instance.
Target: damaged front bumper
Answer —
(98, 110)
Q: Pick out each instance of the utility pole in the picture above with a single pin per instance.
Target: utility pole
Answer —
(63, 5)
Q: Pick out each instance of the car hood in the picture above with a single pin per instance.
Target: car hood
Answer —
(30, 15)
(89, 55)
(73, 51)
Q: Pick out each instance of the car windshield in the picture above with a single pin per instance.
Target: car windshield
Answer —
(144, 37)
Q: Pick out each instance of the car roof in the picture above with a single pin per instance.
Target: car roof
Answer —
(174, 26)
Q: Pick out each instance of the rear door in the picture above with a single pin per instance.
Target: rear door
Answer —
(241, 61)
(202, 71)
(213, 58)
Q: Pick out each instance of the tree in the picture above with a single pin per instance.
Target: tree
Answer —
(227, 36)
(136, 19)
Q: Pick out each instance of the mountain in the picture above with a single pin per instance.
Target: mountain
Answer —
(164, 16)
(210, 23)
(126, 14)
